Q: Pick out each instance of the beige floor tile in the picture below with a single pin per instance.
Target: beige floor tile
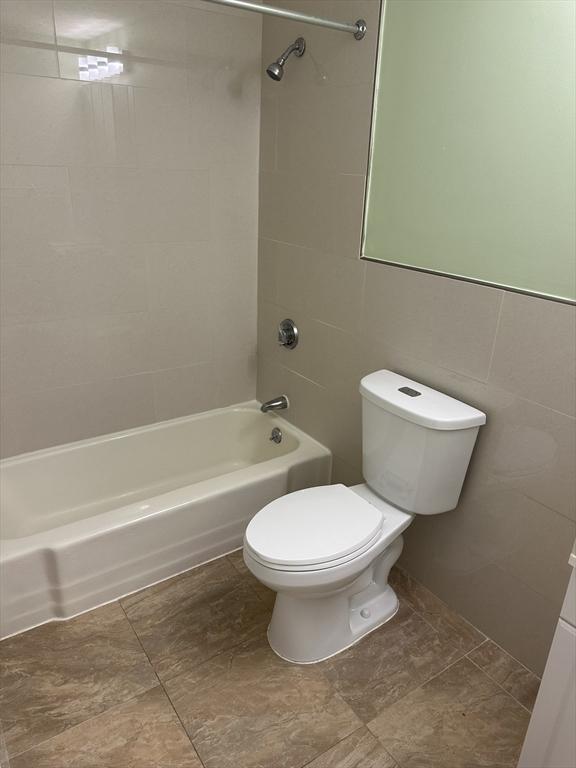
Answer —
(266, 595)
(187, 620)
(61, 674)
(359, 750)
(249, 709)
(449, 625)
(518, 681)
(459, 719)
(143, 733)
(390, 662)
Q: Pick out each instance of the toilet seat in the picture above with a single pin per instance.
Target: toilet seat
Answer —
(313, 529)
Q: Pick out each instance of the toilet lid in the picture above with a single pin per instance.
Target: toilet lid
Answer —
(315, 525)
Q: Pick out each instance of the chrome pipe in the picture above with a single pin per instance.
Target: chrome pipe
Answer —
(358, 28)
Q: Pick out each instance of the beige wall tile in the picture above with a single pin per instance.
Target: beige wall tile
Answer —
(136, 287)
(31, 20)
(54, 416)
(29, 104)
(234, 190)
(324, 286)
(236, 379)
(311, 206)
(530, 449)
(180, 391)
(140, 205)
(28, 60)
(537, 338)
(340, 113)
(71, 280)
(447, 322)
(38, 194)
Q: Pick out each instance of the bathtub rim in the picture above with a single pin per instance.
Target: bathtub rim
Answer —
(130, 514)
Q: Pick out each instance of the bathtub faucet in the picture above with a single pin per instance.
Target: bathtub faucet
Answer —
(276, 404)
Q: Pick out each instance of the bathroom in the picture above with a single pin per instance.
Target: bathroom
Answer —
(359, 216)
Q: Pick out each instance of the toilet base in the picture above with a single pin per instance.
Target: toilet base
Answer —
(307, 629)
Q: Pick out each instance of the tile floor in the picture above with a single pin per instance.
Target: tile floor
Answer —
(180, 676)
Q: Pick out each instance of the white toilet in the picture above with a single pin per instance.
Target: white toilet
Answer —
(327, 551)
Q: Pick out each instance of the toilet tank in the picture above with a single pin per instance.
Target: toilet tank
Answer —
(416, 442)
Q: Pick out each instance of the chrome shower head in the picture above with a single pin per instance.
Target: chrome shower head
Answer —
(276, 70)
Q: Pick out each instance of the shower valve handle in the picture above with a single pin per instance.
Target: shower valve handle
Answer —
(288, 334)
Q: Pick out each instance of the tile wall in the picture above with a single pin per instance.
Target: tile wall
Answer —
(129, 216)
(501, 557)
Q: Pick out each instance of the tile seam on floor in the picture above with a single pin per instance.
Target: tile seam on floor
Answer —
(464, 653)
(500, 648)
(381, 741)
(244, 578)
(309, 762)
(161, 684)
(83, 722)
(489, 676)
(363, 727)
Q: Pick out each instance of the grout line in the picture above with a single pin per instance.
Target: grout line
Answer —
(451, 610)
(55, 32)
(514, 658)
(83, 722)
(321, 754)
(495, 339)
(489, 676)
(160, 683)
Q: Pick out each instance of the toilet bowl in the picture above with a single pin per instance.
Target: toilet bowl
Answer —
(333, 590)
(327, 551)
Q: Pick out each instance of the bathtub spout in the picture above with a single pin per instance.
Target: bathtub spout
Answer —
(277, 404)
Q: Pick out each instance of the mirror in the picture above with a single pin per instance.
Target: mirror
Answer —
(472, 169)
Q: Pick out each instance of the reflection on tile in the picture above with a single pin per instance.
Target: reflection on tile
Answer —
(530, 448)
(536, 337)
(460, 718)
(266, 595)
(187, 620)
(387, 664)
(143, 733)
(360, 750)
(152, 30)
(61, 674)
(449, 625)
(249, 708)
(518, 681)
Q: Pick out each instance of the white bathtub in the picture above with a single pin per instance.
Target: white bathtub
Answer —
(88, 522)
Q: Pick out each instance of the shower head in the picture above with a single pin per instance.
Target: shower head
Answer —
(276, 69)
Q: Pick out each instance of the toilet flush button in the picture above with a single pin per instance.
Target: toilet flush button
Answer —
(365, 613)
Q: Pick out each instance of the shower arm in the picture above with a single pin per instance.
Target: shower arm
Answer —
(358, 28)
(295, 47)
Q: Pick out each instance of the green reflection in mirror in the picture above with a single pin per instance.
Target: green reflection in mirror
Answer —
(473, 169)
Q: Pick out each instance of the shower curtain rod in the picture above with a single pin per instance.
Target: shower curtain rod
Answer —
(358, 29)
